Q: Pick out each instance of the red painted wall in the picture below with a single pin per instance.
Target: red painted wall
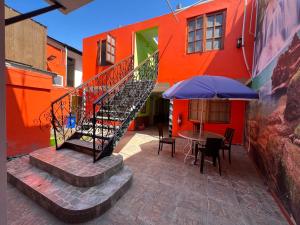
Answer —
(58, 64)
(237, 120)
(175, 63)
(24, 90)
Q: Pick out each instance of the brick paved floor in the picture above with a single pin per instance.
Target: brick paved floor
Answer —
(167, 191)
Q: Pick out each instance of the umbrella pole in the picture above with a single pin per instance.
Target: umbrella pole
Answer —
(201, 126)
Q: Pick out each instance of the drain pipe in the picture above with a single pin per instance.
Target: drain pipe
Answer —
(243, 38)
(245, 58)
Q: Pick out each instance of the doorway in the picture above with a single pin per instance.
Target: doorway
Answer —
(70, 72)
(146, 43)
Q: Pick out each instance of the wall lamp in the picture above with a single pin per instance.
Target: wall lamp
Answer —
(240, 43)
(51, 57)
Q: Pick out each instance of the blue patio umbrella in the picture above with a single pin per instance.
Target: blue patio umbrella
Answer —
(210, 87)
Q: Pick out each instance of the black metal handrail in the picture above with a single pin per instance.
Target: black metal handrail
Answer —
(130, 74)
(73, 111)
(86, 83)
(113, 111)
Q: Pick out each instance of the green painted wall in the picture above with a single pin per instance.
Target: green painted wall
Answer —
(144, 44)
(144, 47)
(148, 109)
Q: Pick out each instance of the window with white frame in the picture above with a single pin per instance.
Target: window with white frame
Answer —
(106, 53)
(110, 49)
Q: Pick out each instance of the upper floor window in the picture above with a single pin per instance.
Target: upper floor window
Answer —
(205, 32)
(106, 53)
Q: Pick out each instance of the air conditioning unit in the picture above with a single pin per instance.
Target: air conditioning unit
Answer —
(58, 80)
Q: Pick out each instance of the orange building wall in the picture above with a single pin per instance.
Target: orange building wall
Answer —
(58, 66)
(175, 64)
(237, 120)
(28, 95)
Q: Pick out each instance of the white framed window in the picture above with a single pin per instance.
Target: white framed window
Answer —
(110, 49)
(58, 80)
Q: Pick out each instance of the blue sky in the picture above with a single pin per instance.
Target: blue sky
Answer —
(96, 17)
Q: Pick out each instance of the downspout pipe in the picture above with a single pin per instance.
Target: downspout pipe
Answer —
(243, 38)
(245, 57)
(66, 69)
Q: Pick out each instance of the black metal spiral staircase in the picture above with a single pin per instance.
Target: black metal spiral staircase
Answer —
(94, 116)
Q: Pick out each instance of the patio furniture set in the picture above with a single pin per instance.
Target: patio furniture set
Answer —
(206, 87)
(208, 144)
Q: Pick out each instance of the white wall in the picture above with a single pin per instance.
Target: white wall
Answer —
(78, 67)
(2, 121)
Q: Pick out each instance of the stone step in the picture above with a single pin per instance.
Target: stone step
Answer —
(76, 168)
(79, 146)
(69, 203)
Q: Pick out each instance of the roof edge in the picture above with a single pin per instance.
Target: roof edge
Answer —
(19, 65)
(65, 45)
(152, 18)
(201, 2)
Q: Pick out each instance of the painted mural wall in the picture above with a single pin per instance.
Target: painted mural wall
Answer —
(274, 121)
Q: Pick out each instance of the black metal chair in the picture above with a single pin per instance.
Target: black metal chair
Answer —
(163, 140)
(229, 132)
(211, 149)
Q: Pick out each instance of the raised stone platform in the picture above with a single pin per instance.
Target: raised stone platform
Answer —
(76, 168)
(48, 177)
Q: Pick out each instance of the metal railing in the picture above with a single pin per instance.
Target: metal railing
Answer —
(113, 111)
(72, 112)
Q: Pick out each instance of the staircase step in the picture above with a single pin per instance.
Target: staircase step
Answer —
(79, 145)
(88, 126)
(139, 82)
(76, 168)
(89, 133)
(110, 118)
(112, 112)
(122, 107)
(85, 147)
(69, 203)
